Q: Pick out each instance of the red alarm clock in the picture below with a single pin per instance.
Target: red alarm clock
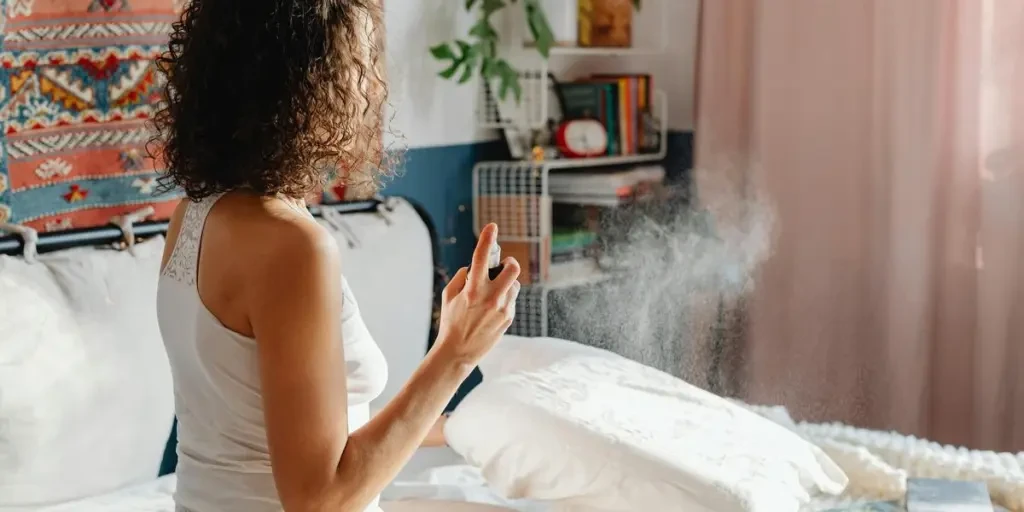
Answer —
(581, 138)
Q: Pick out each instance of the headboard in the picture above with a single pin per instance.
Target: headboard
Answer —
(389, 257)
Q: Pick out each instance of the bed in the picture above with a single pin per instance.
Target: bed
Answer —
(390, 252)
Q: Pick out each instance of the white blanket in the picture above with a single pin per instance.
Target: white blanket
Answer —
(879, 463)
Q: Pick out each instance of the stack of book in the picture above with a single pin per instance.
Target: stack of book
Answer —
(622, 103)
(605, 188)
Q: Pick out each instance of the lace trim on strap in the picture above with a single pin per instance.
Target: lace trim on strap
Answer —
(181, 266)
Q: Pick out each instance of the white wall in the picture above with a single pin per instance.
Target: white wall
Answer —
(430, 111)
(426, 109)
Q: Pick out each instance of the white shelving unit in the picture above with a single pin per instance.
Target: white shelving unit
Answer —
(515, 194)
(650, 34)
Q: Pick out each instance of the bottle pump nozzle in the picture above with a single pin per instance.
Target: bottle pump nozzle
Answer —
(494, 266)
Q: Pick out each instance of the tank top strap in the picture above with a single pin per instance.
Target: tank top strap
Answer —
(184, 261)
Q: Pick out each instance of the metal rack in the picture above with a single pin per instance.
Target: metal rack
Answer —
(515, 195)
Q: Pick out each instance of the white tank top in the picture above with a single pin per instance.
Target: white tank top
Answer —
(223, 460)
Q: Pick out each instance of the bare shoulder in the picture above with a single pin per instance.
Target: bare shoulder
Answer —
(276, 240)
(298, 244)
(283, 272)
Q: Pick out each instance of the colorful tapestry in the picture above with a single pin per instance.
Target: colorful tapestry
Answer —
(78, 86)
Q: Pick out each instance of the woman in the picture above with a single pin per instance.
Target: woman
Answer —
(273, 367)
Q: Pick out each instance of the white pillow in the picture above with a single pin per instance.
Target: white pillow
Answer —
(604, 433)
(439, 506)
(86, 399)
(520, 354)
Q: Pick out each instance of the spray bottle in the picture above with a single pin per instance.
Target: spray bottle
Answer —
(494, 265)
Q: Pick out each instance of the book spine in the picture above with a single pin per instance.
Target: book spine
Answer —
(635, 115)
(642, 101)
(612, 125)
(581, 100)
(603, 113)
(624, 116)
(648, 92)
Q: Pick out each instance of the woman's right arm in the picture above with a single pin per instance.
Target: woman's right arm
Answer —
(317, 464)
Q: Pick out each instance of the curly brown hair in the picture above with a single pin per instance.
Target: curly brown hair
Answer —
(279, 96)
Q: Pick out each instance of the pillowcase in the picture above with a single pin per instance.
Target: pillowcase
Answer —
(86, 398)
(439, 506)
(520, 354)
(602, 433)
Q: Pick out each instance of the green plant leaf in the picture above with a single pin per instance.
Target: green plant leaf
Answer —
(442, 52)
(508, 80)
(491, 6)
(467, 71)
(468, 56)
(483, 30)
(464, 49)
(636, 4)
(479, 54)
(449, 72)
(484, 50)
(487, 68)
(539, 27)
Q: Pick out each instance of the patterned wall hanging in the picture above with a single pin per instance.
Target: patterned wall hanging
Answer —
(78, 85)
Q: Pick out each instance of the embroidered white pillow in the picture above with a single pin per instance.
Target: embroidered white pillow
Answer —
(603, 433)
(519, 353)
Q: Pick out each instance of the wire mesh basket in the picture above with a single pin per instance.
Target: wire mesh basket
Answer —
(531, 312)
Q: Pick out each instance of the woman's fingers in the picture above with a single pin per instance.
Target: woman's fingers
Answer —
(509, 275)
(455, 285)
(509, 304)
(478, 268)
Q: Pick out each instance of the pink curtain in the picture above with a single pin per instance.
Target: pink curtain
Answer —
(889, 135)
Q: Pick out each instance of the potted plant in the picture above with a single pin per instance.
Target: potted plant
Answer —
(478, 52)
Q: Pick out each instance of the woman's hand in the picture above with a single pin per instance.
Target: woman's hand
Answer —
(476, 311)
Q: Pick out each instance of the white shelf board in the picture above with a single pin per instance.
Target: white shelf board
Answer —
(600, 161)
(588, 279)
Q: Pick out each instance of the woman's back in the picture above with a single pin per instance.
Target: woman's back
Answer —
(223, 456)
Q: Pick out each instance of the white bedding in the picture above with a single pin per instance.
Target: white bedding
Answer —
(155, 496)
(435, 475)
(437, 480)
(441, 486)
